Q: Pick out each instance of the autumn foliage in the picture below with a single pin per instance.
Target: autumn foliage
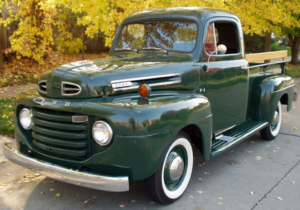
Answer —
(37, 18)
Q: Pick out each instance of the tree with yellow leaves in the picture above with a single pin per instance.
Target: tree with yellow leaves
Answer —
(279, 16)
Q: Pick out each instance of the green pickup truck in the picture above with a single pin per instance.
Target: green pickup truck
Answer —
(175, 79)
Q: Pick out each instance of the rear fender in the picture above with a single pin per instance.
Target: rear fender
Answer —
(266, 91)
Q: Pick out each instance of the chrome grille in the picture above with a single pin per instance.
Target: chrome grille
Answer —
(42, 86)
(70, 89)
(56, 135)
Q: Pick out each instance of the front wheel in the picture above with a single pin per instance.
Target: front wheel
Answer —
(270, 132)
(172, 177)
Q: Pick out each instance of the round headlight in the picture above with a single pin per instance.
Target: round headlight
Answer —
(25, 118)
(102, 133)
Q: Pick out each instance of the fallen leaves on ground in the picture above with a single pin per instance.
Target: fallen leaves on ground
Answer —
(292, 182)
(279, 198)
(199, 192)
(57, 195)
(191, 196)
(152, 202)
(86, 201)
(25, 71)
(294, 128)
(258, 158)
(28, 178)
(251, 193)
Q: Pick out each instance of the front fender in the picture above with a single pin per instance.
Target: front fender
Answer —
(266, 91)
(143, 128)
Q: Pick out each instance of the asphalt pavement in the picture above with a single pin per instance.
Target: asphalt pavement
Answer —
(256, 174)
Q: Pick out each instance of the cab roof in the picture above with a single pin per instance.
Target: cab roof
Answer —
(194, 13)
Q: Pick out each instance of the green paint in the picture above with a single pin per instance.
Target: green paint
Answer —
(143, 128)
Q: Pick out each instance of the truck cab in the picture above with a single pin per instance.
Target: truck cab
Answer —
(174, 78)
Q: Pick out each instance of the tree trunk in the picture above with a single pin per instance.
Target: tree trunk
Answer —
(100, 46)
(1, 49)
(268, 41)
(83, 45)
(295, 47)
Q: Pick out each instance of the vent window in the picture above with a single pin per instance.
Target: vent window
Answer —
(70, 89)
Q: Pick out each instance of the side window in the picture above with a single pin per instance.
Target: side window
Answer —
(225, 33)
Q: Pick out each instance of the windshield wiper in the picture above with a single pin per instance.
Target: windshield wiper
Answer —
(120, 49)
(155, 48)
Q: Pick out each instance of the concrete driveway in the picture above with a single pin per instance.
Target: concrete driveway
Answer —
(256, 174)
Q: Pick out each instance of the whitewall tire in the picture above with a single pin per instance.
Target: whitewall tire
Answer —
(171, 179)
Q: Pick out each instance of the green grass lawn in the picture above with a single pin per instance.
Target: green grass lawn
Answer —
(275, 47)
(293, 70)
(7, 117)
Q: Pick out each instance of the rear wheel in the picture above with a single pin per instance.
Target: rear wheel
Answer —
(270, 132)
(171, 179)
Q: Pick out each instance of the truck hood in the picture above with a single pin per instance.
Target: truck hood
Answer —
(116, 75)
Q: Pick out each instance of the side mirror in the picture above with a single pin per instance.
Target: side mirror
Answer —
(221, 49)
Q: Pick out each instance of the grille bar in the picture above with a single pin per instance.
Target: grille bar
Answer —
(42, 86)
(61, 150)
(57, 142)
(56, 135)
(73, 127)
(70, 89)
(49, 116)
(62, 134)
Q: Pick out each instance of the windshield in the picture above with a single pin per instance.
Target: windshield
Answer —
(161, 34)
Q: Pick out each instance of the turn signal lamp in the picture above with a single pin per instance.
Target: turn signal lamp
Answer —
(144, 90)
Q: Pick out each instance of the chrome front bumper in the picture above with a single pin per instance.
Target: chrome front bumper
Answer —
(90, 180)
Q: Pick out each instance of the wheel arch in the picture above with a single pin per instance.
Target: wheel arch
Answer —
(265, 94)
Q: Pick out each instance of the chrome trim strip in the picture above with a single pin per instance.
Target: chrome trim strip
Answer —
(264, 64)
(69, 83)
(90, 180)
(284, 88)
(151, 85)
(145, 78)
(42, 86)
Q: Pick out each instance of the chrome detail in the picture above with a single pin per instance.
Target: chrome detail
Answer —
(202, 90)
(115, 82)
(110, 132)
(79, 119)
(221, 49)
(262, 65)
(275, 119)
(121, 84)
(35, 100)
(222, 131)
(42, 86)
(219, 136)
(30, 113)
(85, 179)
(176, 167)
(76, 88)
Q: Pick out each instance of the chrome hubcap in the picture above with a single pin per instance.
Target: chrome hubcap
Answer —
(176, 167)
(275, 119)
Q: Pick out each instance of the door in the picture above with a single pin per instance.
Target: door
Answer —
(226, 81)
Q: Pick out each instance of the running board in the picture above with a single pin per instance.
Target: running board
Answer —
(234, 136)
